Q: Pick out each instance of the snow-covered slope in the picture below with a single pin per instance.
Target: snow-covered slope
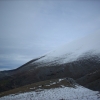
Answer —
(86, 46)
(63, 93)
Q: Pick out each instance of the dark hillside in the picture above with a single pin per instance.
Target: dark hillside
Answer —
(79, 70)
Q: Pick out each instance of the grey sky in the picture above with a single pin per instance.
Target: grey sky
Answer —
(29, 29)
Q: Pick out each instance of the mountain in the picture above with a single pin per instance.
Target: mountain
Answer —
(77, 60)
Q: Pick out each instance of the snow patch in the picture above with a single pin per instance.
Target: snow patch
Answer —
(65, 93)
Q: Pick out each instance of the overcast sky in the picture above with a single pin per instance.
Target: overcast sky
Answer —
(29, 29)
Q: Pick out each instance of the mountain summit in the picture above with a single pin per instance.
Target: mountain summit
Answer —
(85, 47)
(79, 59)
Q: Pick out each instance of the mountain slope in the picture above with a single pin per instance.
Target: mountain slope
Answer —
(86, 46)
(79, 93)
(91, 80)
(76, 60)
(58, 89)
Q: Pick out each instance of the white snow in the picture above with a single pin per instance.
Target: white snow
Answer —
(60, 80)
(65, 93)
(52, 83)
(73, 50)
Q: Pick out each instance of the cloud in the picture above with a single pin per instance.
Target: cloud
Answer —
(3, 69)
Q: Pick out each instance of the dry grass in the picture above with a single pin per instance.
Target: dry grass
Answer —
(54, 83)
